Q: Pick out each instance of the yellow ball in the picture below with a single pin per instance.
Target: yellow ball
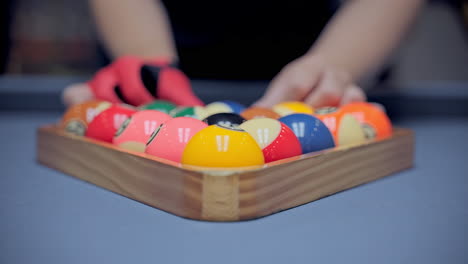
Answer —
(287, 108)
(217, 146)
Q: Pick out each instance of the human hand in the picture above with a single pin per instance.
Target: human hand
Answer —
(76, 93)
(310, 79)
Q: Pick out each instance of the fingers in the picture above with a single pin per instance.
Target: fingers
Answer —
(76, 93)
(329, 91)
(292, 84)
(353, 94)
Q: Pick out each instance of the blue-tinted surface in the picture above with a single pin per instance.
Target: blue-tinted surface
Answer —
(417, 216)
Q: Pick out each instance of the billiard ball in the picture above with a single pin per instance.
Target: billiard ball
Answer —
(159, 105)
(170, 139)
(350, 132)
(197, 112)
(345, 128)
(235, 107)
(77, 117)
(312, 133)
(225, 119)
(259, 112)
(135, 131)
(287, 108)
(106, 123)
(216, 146)
(216, 108)
(275, 138)
(375, 122)
(331, 117)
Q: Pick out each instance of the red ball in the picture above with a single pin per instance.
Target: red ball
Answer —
(276, 139)
(105, 125)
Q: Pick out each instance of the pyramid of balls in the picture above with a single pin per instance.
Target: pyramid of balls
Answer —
(226, 134)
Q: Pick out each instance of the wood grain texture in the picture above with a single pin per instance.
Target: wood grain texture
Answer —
(223, 195)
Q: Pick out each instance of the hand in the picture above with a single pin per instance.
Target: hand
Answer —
(76, 94)
(312, 80)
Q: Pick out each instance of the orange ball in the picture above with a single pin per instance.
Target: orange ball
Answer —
(375, 122)
(344, 127)
(77, 117)
(331, 117)
(259, 112)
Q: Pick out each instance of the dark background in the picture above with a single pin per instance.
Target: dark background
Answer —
(57, 37)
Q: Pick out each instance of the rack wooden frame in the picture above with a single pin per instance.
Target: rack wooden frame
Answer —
(223, 194)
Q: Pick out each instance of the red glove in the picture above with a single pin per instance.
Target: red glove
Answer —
(136, 82)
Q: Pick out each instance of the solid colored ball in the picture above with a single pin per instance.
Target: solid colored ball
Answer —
(77, 117)
(223, 147)
(287, 108)
(275, 138)
(197, 112)
(136, 131)
(312, 133)
(259, 112)
(375, 122)
(159, 105)
(225, 119)
(105, 124)
(170, 140)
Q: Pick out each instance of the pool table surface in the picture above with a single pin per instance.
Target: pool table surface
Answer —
(416, 216)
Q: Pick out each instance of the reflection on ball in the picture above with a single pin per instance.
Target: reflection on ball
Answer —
(170, 140)
(136, 130)
(275, 138)
(217, 146)
(312, 133)
(105, 124)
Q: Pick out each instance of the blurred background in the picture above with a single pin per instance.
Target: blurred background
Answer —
(57, 37)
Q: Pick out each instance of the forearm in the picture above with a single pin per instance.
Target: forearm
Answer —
(363, 33)
(139, 28)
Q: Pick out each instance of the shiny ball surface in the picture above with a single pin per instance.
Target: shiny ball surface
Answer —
(136, 131)
(312, 133)
(275, 138)
(170, 139)
(222, 147)
(375, 122)
(106, 123)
